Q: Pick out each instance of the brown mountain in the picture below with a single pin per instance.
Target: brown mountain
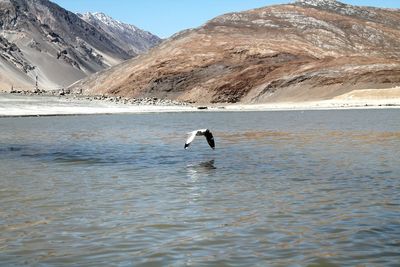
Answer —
(41, 39)
(311, 49)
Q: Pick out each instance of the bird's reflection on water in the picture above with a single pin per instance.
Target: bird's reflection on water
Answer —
(195, 170)
(207, 165)
(204, 166)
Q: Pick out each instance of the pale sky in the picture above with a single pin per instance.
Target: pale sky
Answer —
(166, 17)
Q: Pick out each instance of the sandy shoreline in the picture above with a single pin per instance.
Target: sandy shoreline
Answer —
(317, 105)
(23, 106)
(357, 99)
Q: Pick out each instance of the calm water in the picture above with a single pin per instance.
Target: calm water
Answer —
(318, 188)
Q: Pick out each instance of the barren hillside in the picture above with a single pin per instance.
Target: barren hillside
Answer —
(302, 51)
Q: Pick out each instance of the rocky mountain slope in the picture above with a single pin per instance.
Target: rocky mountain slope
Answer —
(307, 50)
(39, 39)
(131, 38)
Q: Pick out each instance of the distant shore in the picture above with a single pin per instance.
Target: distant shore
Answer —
(33, 105)
(22, 104)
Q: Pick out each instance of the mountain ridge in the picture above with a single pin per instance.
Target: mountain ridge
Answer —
(41, 40)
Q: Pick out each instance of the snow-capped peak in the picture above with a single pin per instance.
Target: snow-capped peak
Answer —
(137, 40)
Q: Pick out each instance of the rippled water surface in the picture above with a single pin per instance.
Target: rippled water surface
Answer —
(295, 188)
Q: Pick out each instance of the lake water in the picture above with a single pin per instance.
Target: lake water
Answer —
(296, 188)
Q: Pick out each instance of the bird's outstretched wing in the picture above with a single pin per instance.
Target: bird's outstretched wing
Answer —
(210, 139)
(190, 139)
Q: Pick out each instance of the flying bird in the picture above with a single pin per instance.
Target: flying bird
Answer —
(204, 132)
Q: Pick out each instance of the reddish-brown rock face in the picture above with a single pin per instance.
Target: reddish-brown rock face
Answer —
(303, 51)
